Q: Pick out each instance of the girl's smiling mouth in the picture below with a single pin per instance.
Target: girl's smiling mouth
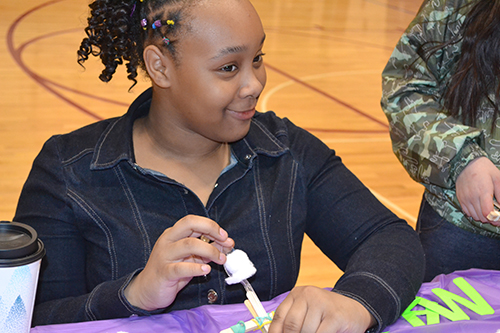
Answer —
(242, 115)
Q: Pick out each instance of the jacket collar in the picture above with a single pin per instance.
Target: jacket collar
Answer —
(115, 143)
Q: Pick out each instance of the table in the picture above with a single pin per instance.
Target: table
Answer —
(464, 301)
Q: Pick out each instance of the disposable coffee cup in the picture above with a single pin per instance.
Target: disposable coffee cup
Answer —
(20, 255)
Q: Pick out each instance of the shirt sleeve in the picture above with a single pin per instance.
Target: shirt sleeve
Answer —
(380, 254)
(433, 146)
(62, 293)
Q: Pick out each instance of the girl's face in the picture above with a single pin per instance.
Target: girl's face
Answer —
(220, 73)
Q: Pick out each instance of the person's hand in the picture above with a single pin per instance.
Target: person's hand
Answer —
(476, 187)
(311, 309)
(177, 257)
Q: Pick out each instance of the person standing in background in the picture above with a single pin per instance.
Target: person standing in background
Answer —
(441, 96)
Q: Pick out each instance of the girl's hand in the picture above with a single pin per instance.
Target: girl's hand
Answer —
(311, 309)
(177, 257)
(476, 187)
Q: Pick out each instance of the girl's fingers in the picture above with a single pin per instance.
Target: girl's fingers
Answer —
(486, 207)
(465, 210)
(185, 270)
(189, 247)
(280, 315)
(195, 226)
(227, 243)
(477, 210)
(224, 247)
(296, 318)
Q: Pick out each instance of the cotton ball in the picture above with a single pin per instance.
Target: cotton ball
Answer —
(239, 267)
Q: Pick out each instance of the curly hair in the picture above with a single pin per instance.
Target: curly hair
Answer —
(476, 75)
(115, 35)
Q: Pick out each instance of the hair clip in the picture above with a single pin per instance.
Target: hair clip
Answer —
(156, 24)
(166, 41)
(144, 23)
(133, 10)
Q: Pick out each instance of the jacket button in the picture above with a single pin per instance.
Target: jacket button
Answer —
(212, 296)
(248, 156)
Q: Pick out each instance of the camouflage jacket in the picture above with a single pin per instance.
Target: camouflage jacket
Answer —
(433, 146)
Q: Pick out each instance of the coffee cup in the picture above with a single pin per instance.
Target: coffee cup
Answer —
(21, 253)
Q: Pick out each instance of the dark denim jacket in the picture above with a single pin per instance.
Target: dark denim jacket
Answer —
(99, 215)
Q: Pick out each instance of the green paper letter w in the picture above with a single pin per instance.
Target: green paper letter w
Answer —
(433, 310)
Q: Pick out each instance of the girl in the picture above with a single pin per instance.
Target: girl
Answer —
(193, 158)
(441, 97)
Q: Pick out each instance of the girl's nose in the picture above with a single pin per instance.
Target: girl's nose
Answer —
(253, 82)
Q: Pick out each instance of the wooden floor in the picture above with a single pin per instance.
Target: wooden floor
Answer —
(323, 57)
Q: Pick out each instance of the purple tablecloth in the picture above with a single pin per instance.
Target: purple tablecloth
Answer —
(466, 301)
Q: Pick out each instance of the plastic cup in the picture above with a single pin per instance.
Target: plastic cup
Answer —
(20, 255)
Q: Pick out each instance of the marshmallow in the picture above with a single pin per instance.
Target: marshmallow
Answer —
(239, 267)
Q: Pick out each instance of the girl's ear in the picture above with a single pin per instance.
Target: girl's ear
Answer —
(157, 65)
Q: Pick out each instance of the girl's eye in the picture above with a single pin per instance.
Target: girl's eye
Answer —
(229, 68)
(259, 58)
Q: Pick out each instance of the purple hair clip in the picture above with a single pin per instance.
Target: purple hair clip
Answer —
(133, 10)
(156, 24)
(144, 23)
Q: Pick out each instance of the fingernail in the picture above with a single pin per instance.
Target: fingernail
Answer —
(205, 268)
(221, 256)
(222, 232)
